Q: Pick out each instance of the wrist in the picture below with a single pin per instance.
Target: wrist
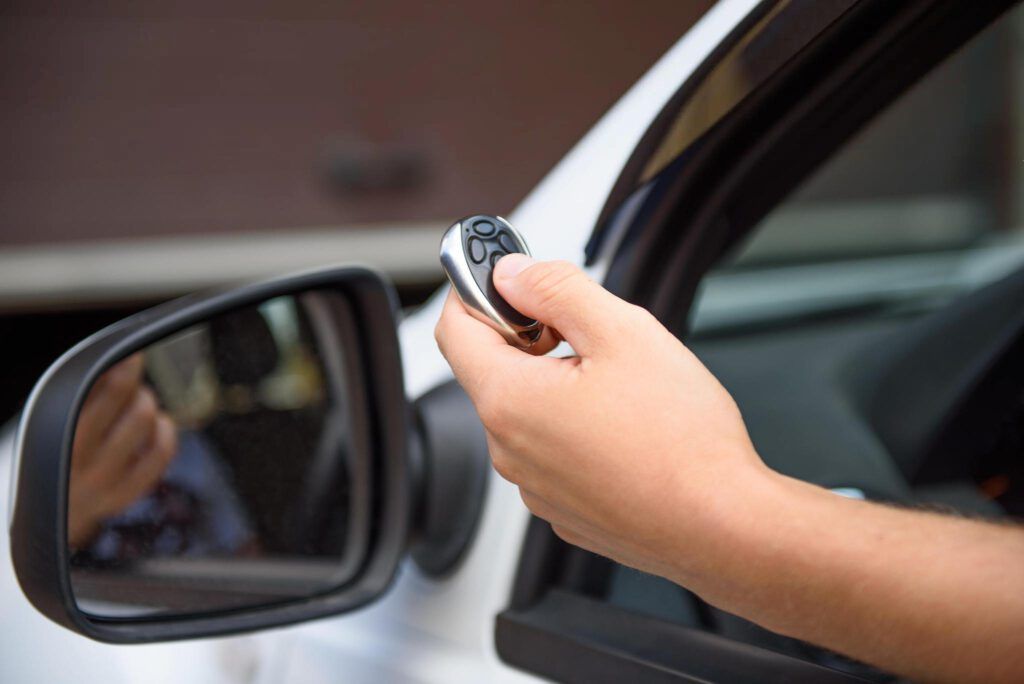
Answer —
(766, 543)
(737, 521)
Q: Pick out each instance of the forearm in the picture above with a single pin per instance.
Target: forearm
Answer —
(925, 595)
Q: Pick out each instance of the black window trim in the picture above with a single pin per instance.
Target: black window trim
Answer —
(569, 637)
(672, 235)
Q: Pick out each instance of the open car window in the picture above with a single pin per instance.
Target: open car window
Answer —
(921, 207)
(924, 205)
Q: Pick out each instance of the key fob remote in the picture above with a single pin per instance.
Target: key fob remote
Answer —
(469, 250)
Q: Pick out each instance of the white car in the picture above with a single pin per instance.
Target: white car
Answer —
(823, 199)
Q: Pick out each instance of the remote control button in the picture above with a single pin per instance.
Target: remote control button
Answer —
(477, 250)
(470, 251)
(507, 243)
(483, 227)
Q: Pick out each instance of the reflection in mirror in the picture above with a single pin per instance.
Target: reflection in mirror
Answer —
(224, 466)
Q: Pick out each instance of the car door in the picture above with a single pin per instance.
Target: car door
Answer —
(827, 215)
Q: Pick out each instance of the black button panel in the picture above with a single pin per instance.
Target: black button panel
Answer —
(485, 241)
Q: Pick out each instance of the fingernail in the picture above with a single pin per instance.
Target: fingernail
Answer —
(511, 265)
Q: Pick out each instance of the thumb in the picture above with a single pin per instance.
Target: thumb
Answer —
(559, 294)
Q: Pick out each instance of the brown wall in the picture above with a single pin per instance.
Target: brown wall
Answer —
(139, 118)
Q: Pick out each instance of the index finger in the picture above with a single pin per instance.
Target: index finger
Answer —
(476, 352)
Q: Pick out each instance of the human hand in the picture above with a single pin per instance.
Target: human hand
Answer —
(632, 449)
(123, 443)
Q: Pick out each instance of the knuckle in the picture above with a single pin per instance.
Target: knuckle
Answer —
(639, 314)
(551, 278)
(439, 340)
(639, 317)
(530, 501)
(501, 426)
(118, 381)
(491, 410)
(566, 535)
(633, 322)
(146, 406)
(506, 466)
(439, 333)
(169, 445)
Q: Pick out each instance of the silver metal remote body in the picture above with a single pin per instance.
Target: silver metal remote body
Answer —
(469, 250)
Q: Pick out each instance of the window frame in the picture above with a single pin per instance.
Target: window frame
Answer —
(660, 237)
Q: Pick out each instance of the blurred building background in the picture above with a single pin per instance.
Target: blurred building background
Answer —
(151, 149)
(193, 118)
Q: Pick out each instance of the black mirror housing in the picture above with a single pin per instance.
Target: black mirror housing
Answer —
(39, 513)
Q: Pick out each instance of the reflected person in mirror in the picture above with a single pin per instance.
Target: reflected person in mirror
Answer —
(123, 444)
(141, 486)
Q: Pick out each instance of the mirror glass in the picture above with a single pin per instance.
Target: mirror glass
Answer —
(224, 466)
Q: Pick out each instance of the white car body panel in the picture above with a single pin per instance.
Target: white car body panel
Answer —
(423, 630)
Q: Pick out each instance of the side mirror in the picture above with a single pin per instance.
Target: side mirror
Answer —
(219, 463)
